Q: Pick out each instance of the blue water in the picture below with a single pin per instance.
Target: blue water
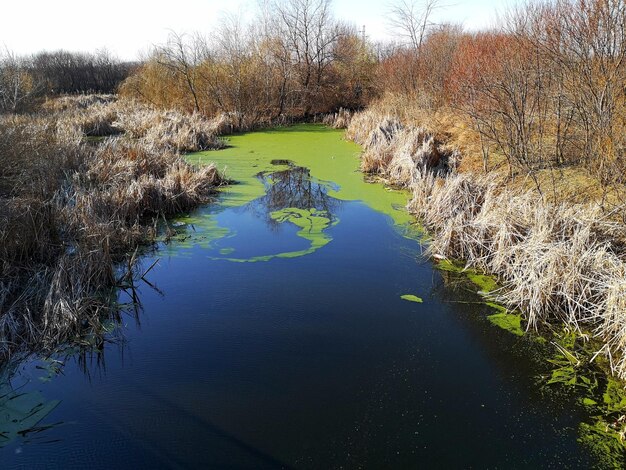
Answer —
(305, 362)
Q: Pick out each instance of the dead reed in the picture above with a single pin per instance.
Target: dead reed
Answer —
(339, 120)
(105, 115)
(396, 152)
(71, 212)
(562, 262)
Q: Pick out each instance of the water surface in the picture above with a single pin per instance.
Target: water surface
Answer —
(276, 336)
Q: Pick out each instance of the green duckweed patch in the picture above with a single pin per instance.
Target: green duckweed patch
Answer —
(253, 160)
(484, 282)
(507, 321)
(412, 298)
(604, 444)
(312, 224)
(572, 371)
(449, 266)
(322, 150)
(602, 395)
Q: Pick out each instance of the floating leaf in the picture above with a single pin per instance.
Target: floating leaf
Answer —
(21, 412)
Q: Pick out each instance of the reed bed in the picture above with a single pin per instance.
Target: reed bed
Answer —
(70, 214)
(563, 262)
(396, 152)
(105, 115)
(339, 120)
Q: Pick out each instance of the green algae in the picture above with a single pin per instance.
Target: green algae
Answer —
(449, 266)
(601, 395)
(511, 322)
(604, 436)
(502, 310)
(484, 282)
(614, 397)
(251, 161)
(322, 150)
(201, 229)
(572, 371)
(412, 298)
(604, 444)
(312, 224)
(507, 321)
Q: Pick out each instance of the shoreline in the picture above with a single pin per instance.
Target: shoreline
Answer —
(558, 265)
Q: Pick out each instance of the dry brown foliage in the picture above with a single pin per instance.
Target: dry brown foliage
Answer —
(554, 261)
(71, 211)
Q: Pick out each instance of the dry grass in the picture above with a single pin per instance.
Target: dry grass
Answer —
(561, 261)
(339, 120)
(70, 212)
(104, 115)
(397, 152)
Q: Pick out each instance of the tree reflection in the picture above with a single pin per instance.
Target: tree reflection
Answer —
(292, 188)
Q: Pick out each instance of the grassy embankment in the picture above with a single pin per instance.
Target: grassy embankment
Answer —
(82, 186)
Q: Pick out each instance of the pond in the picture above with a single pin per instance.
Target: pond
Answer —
(295, 323)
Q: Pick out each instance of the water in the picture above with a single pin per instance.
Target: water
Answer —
(275, 337)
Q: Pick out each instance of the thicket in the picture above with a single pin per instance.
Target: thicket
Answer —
(295, 60)
(26, 80)
(543, 92)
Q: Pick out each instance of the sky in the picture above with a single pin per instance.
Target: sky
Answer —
(128, 28)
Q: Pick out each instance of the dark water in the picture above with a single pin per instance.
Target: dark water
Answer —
(306, 361)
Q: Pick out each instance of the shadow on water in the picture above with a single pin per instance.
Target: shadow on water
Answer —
(24, 409)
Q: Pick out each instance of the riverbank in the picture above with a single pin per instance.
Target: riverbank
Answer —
(560, 264)
(554, 261)
(73, 210)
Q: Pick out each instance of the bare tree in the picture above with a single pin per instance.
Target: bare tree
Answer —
(310, 32)
(17, 85)
(182, 56)
(411, 20)
(242, 72)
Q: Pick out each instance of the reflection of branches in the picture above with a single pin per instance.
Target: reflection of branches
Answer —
(88, 346)
(292, 188)
(22, 409)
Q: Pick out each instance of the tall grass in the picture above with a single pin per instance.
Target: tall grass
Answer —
(71, 212)
(105, 115)
(397, 152)
(564, 262)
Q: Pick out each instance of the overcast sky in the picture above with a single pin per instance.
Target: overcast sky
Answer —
(129, 27)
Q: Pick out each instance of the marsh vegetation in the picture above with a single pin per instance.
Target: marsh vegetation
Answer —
(507, 143)
(72, 211)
